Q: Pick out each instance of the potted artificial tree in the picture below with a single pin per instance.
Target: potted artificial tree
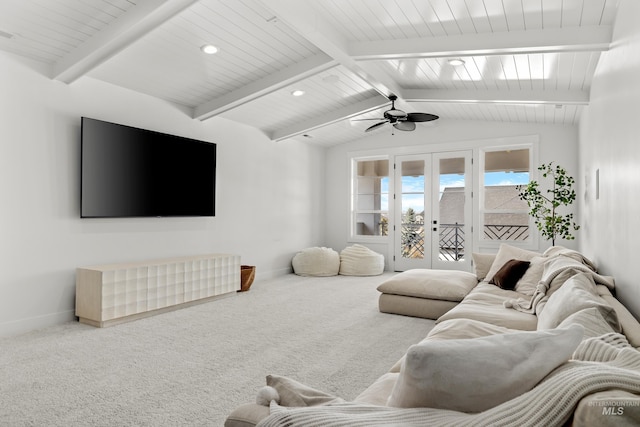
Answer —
(545, 205)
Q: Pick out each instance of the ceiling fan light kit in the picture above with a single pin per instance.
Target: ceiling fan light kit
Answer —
(399, 119)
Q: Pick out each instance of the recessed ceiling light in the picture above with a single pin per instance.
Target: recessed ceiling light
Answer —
(298, 92)
(209, 49)
(456, 61)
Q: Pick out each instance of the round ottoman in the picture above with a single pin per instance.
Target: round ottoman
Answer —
(316, 262)
(358, 260)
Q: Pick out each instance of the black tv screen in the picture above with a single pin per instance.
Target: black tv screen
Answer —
(131, 172)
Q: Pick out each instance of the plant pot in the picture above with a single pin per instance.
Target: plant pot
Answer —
(247, 274)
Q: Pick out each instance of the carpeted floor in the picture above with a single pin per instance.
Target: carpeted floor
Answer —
(191, 367)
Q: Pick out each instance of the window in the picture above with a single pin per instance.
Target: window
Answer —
(503, 216)
(370, 197)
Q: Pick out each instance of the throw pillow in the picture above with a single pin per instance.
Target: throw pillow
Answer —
(293, 393)
(505, 253)
(473, 375)
(577, 293)
(591, 320)
(509, 274)
(482, 264)
(528, 283)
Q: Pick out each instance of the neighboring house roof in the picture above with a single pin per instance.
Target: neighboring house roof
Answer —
(496, 197)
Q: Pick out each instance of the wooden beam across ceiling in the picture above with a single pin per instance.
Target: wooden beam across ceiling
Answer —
(334, 116)
(563, 97)
(144, 17)
(574, 39)
(299, 15)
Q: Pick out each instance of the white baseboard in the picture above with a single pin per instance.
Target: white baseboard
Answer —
(22, 326)
(272, 273)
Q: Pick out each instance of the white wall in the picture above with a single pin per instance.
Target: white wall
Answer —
(610, 143)
(269, 195)
(556, 143)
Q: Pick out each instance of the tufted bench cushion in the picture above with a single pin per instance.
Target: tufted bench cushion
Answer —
(424, 292)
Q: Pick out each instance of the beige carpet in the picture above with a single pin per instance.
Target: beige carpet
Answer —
(193, 366)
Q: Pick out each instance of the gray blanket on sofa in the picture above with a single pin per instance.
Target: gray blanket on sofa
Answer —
(606, 362)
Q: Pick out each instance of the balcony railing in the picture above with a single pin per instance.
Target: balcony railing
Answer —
(452, 238)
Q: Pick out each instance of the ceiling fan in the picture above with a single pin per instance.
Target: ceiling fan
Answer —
(399, 119)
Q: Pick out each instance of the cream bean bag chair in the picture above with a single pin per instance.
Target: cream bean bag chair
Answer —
(316, 262)
(358, 260)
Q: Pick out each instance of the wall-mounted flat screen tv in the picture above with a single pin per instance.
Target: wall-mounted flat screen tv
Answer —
(131, 172)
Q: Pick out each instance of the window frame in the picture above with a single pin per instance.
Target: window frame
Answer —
(481, 241)
(354, 211)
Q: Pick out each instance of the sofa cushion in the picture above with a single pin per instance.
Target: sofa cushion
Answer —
(482, 264)
(529, 281)
(247, 415)
(465, 328)
(506, 253)
(591, 320)
(577, 293)
(485, 303)
(509, 274)
(473, 375)
(378, 393)
(444, 285)
(629, 324)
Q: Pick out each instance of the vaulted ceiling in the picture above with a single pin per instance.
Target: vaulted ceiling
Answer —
(523, 60)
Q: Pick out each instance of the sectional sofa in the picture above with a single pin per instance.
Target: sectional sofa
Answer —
(536, 339)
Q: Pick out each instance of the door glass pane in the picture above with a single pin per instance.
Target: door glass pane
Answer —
(505, 216)
(412, 206)
(451, 204)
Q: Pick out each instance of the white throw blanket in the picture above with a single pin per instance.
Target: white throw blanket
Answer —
(602, 363)
(552, 269)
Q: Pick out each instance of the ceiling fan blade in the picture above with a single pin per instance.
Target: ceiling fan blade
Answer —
(421, 117)
(376, 126)
(375, 118)
(405, 126)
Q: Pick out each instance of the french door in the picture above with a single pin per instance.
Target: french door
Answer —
(432, 205)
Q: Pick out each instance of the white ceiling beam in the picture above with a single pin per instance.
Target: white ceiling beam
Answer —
(574, 39)
(564, 97)
(275, 81)
(145, 16)
(369, 104)
(300, 16)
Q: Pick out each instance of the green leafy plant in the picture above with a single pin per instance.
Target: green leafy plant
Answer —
(544, 205)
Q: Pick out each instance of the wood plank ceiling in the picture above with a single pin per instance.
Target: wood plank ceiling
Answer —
(523, 60)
